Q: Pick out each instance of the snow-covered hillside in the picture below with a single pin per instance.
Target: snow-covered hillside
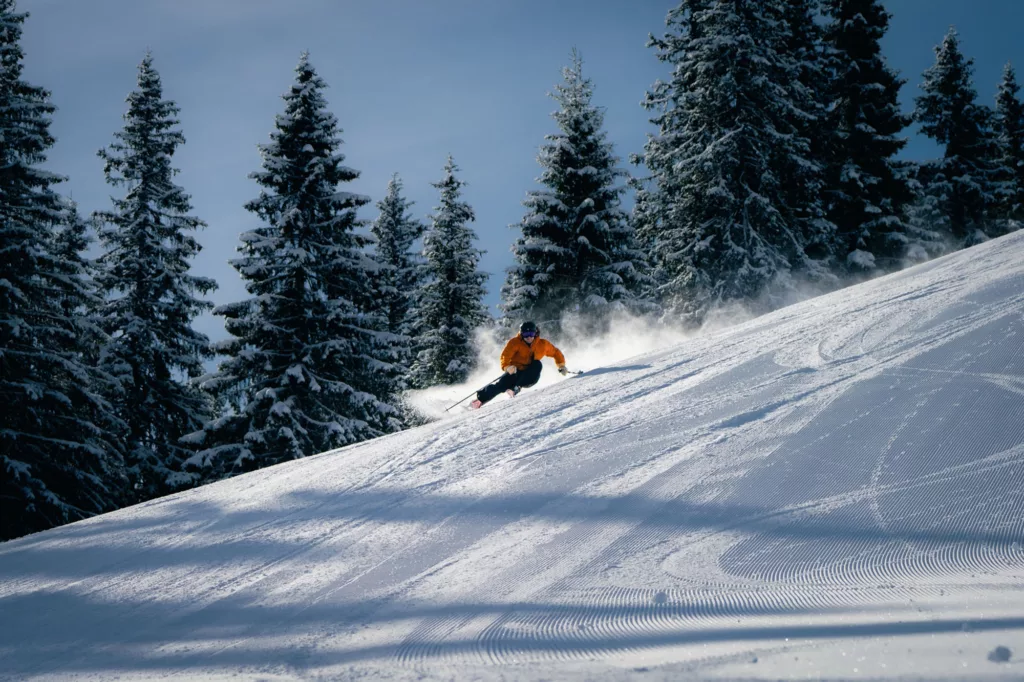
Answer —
(836, 489)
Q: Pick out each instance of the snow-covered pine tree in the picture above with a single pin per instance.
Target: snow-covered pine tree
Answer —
(401, 271)
(716, 212)
(71, 239)
(150, 297)
(299, 374)
(80, 300)
(809, 64)
(1009, 130)
(927, 227)
(961, 182)
(449, 305)
(59, 454)
(576, 255)
(869, 191)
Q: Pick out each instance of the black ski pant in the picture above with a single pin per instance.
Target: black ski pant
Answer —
(524, 378)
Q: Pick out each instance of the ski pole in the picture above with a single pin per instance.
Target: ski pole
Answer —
(471, 394)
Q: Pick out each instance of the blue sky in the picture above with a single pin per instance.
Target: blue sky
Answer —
(410, 81)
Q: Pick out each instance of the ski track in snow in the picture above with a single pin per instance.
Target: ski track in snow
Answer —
(845, 469)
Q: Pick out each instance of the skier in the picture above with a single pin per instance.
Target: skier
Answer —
(521, 363)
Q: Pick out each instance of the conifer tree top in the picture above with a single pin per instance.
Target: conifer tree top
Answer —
(10, 41)
(577, 115)
(25, 110)
(949, 92)
(305, 143)
(1009, 81)
(451, 188)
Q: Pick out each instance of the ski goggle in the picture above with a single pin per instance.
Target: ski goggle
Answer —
(529, 335)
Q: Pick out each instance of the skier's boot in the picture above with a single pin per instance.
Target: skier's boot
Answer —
(513, 392)
(476, 404)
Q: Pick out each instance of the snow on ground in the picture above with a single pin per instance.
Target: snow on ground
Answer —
(830, 491)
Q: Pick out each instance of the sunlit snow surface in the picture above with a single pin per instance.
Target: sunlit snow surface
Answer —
(833, 490)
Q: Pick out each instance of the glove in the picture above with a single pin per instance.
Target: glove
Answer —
(562, 370)
(511, 369)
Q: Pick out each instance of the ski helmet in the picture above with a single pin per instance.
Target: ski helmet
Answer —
(529, 327)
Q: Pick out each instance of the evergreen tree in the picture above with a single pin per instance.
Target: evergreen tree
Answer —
(59, 455)
(401, 272)
(805, 173)
(576, 254)
(151, 299)
(869, 192)
(71, 239)
(1009, 129)
(729, 163)
(961, 182)
(927, 227)
(80, 301)
(449, 306)
(306, 357)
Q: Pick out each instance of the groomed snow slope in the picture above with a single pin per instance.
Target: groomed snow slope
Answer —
(832, 490)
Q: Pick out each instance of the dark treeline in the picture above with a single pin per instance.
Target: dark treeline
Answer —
(772, 171)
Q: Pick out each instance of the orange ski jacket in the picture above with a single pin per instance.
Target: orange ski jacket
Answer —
(519, 353)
